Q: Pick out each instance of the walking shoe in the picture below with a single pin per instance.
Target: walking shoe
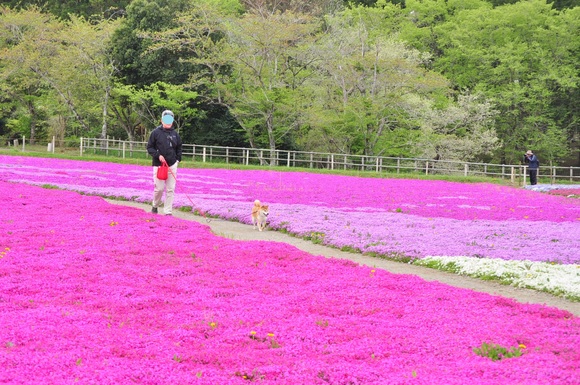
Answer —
(154, 210)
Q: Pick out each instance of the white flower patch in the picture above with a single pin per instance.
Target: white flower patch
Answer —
(558, 279)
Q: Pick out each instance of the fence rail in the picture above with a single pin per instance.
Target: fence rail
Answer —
(312, 160)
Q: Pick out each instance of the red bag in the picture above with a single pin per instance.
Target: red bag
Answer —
(162, 171)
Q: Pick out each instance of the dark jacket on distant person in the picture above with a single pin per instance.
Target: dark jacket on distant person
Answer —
(532, 161)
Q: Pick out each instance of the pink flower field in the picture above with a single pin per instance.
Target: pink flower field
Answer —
(392, 217)
(94, 293)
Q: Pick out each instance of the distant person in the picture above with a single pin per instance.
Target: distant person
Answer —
(533, 165)
(164, 146)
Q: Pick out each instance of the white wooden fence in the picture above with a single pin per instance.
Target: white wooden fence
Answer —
(319, 160)
(330, 161)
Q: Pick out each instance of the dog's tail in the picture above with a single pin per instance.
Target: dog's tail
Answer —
(257, 203)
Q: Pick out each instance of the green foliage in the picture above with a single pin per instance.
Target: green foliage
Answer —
(64, 8)
(137, 65)
(265, 90)
(445, 79)
(55, 70)
(502, 52)
(316, 237)
(50, 187)
(214, 126)
(226, 7)
(497, 352)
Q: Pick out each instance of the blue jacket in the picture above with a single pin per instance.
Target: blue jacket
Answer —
(533, 162)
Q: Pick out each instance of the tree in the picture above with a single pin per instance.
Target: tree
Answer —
(312, 7)
(88, 65)
(64, 62)
(184, 49)
(520, 57)
(138, 65)
(461, 131)
(62, 9)
(269, 67)
(19, 34)
(139, 110)
(365, 88)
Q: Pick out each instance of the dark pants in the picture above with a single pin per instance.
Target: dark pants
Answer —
(533, 176)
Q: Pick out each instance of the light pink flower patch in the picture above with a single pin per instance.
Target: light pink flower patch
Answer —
(98, 293)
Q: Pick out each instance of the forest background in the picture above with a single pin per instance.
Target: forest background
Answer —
(470, 80)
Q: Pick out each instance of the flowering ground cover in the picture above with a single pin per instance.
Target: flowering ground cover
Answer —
(567, 192)
(558, 189)
(389, 217)
(482, 224)
(562, 280)
(96, 293)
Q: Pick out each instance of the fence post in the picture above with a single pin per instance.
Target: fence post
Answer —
(288, 160)
(513, 175)
(227, 155)
(203, 155)
(571, 174)
(553, 174)
(465, 169)
(124, 147)
(24, 141)
(525, 171)
(426, 168)
(377, 170)
(247, 157)
(332, 161)
(398, 165)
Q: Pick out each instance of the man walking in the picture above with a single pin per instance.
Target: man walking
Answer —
(164, 146)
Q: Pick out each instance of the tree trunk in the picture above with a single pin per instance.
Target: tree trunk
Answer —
(32, 113)
(271, 137)
(105, 105)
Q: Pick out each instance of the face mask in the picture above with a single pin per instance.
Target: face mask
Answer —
(167, 119)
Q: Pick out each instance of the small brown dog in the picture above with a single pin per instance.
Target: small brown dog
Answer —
(259, 215)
